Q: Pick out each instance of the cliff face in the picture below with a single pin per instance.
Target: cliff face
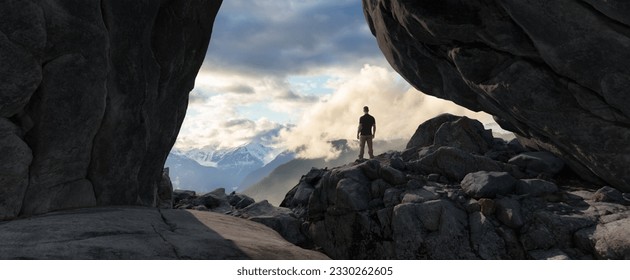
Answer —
(556, 73)
(92, 95)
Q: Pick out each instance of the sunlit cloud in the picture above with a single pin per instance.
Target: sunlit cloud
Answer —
(397, 107)
(311, 68)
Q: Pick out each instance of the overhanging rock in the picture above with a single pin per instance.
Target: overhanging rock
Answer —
(555, 73)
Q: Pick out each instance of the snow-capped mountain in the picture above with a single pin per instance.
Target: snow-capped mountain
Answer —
(259, 151)
(250, 154)
(188, 174)
(203, 156)
(208, 168)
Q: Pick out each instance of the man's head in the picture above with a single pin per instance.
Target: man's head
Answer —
(366, 109)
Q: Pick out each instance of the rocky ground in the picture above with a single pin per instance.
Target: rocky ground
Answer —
(281, 219)
(454, 193)
(143, 233)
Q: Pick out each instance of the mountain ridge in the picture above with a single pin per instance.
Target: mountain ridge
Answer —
(277, 183)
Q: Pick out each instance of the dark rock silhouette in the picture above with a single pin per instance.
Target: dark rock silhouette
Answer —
(555, 73)
(92, 97)
(371, 210)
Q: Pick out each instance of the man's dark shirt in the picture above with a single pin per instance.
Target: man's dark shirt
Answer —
(367, 121)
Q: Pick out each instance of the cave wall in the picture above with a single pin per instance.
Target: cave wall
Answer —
(92, 97)
(554, 72)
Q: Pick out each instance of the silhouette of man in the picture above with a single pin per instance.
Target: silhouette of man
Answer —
(366, 132)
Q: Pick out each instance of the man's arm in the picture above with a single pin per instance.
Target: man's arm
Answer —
(373, 130)
(359, 131)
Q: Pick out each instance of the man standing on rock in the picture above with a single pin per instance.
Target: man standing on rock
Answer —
(366, 132)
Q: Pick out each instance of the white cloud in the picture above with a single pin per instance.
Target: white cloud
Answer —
(220, 129)
(228, 110)
(397, 107)
(220, 120)
(266, 69)
(287, 37)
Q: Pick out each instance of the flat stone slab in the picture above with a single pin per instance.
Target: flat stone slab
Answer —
(143, 233)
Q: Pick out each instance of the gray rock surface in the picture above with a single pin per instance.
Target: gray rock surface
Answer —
(263, 208)
(535, 163)
(392, 197)
(484, 238)
(281, 219)
(608, 194)
(483, 184)
(450, 130)
(555, 73)
(508, 211)
(392, 176)
(455, 163)
(535, 187)
(240, 201)
(487, 206)
(179, 195)
(431, 230)
(418, 196)
(208, 200)
(16, 157)
(425, 133)
(608, 241)
(354, 213)
(165, 191)
(143, 233)
(92, 96)
(466, 134)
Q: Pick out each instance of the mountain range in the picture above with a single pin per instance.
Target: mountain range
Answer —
(256, 168)
(210, 168)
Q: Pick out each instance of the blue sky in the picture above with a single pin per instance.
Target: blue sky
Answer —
(313, 63)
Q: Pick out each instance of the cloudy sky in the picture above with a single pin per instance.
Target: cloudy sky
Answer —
(307, 64)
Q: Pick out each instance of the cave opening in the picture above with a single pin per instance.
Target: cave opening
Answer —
(278, 89)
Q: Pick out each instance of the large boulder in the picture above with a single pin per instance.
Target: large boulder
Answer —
(455, 163)
(554, 72)
(453, 131)
(92, 96)
(485, 184)
(425, 133)
(240, 201)
(466, 134)
(279, 219)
